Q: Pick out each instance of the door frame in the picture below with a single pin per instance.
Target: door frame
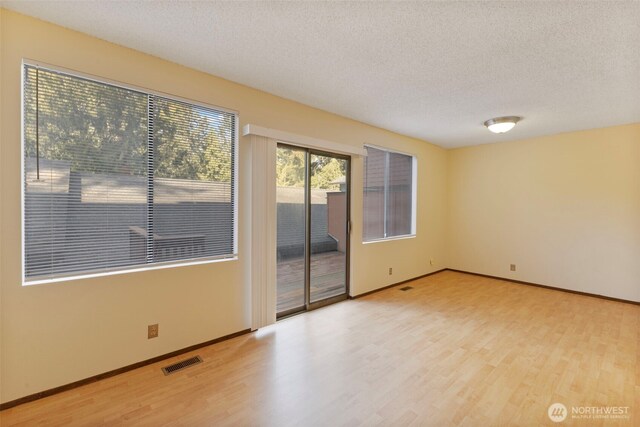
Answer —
(308, 305)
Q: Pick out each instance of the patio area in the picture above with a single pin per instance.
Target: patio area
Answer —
(327, 279)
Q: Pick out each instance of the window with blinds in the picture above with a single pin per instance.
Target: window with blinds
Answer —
(389, 194)
(116, 178)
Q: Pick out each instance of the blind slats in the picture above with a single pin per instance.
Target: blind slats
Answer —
(388, 194)
(117, 178)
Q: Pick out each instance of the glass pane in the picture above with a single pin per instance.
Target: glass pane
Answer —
(373, 199)
(85, 165)
(328, 227)
(291, 213)
(193, 210)
(97, 198)
(399, 194)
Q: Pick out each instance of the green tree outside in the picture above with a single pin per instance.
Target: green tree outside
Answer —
(104, 129)
(290, 170)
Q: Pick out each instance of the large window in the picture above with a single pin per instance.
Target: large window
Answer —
(116, 178)
(389, 194)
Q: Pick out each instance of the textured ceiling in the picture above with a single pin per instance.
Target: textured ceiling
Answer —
(432, 70)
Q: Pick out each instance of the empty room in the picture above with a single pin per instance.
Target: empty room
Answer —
(320, 213)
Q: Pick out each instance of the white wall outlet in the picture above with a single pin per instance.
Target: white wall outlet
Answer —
(390, 271)
(513, 267)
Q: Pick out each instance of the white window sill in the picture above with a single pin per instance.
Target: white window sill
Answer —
(159, 266)
(388, 239)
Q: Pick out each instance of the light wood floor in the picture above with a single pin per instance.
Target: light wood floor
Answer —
(456, 350)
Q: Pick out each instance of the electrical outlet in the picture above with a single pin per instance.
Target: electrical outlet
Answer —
(152, 331)
(390, 271)
(431, 262)
(513, 267)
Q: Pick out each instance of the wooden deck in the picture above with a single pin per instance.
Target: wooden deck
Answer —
(327, 279)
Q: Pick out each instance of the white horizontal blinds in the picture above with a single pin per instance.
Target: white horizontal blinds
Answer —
(399, 194)
(85, 166)
(193, 204)
(388, 194)
(93, 199)
(374, 194)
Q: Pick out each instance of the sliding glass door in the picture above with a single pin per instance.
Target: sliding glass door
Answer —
(313, 229)
(329, 227)
(291, 198)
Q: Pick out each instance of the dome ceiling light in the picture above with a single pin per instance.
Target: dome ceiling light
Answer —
(502, 124)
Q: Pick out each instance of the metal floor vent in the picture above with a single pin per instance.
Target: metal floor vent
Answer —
(181, 365)
(406, 288)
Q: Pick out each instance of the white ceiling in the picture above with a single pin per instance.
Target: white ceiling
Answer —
(432, 70)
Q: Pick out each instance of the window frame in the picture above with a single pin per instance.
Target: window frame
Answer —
(100, 272)
(414, 195)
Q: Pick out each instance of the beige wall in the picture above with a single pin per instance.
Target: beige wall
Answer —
(58, 333)
(1, 222)
(565, 209)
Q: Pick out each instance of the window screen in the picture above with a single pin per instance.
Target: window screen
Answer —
(388, 194)
(117, 178)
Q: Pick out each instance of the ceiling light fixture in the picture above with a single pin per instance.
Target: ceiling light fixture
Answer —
(502, 124)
